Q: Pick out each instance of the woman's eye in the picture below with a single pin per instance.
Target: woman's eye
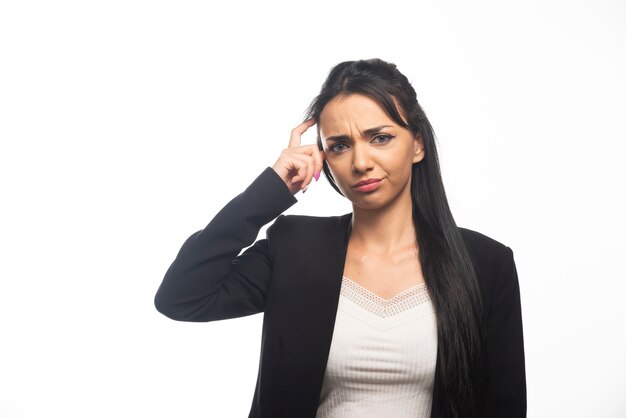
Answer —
(385, 138)
(334, 148)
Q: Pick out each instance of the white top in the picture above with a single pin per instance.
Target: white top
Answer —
(382, 356)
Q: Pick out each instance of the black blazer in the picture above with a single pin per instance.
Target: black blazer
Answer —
(294, 276)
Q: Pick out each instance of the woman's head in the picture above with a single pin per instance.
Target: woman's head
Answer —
(363, 143)
(383, 84)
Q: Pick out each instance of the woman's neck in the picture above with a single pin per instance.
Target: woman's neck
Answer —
(384, 230)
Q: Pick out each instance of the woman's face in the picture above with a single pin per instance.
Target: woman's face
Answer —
(361, 142)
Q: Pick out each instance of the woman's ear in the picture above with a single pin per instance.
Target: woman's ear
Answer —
(419, 153)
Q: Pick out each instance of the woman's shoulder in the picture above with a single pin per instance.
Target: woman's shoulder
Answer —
(304, 233)
(484, 249)
(480, 240)
(312, 224)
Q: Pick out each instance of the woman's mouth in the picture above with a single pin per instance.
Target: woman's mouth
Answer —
(368, 185)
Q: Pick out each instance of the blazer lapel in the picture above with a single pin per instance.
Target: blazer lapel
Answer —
(328, 276)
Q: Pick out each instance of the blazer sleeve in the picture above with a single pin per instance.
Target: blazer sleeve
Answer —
(208, 280)
(505, 346)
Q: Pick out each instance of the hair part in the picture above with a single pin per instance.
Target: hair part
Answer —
(446, 264)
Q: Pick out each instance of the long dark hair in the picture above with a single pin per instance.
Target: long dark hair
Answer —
(446, 263)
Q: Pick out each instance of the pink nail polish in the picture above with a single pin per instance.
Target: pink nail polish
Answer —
(317, 175)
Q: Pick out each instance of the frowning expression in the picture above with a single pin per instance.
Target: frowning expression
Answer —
(362, 143)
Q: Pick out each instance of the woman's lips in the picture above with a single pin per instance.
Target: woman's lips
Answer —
(368, 187)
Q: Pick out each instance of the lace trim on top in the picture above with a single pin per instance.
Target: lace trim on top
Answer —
(407, 299)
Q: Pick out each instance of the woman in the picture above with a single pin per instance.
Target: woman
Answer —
(364, 316)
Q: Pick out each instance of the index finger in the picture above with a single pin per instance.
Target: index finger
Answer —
(296, 133)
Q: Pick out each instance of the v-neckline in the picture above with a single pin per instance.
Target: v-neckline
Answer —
(391, 299)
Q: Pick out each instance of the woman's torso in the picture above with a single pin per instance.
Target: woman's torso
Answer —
(383, 352)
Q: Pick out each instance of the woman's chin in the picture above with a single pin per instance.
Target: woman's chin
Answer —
(368, 203)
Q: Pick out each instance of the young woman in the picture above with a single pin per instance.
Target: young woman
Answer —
(388, 311)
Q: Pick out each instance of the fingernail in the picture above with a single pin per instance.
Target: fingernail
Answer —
(304, 190)
(317, 176)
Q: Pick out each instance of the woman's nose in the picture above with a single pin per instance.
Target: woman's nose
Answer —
(361, 159)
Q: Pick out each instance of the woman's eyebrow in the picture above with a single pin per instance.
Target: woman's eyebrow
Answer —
(367, 132)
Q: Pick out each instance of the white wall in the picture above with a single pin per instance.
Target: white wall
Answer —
(126, 125)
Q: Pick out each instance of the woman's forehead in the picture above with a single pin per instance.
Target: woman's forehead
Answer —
(354, 111)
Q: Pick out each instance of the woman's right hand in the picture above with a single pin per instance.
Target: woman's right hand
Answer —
(299, 164)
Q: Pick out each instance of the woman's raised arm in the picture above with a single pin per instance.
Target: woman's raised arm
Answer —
(208, 280)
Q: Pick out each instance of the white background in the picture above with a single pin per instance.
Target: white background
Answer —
(126, 125)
